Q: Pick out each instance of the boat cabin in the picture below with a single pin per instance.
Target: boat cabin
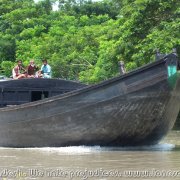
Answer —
(15, 92)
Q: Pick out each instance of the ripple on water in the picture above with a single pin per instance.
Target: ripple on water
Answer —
(91, 149)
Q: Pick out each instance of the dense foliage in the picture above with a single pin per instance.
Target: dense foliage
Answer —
(84, 40)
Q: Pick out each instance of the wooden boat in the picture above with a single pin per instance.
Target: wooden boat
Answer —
(137, 108)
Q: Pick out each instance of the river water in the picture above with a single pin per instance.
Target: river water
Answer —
(161, 161)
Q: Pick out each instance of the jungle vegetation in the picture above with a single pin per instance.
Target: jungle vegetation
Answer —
(84, 40)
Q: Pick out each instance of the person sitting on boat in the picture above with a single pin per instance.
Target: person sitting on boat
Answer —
(31, 69)
(18, 71)
(45, 70)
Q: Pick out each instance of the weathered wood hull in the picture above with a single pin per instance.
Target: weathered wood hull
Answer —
(138, 108)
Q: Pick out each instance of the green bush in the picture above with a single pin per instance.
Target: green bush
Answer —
(7, 66)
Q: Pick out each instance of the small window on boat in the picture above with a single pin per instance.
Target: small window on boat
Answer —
(38, 95)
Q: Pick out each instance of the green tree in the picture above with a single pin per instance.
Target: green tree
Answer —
(7, 47)
(84, 40)
(7, 66)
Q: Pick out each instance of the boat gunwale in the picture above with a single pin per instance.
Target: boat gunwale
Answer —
(86, 88)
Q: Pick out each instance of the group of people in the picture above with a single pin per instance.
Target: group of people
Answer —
(32, 70)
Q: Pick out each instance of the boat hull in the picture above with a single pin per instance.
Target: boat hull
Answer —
(136, 109)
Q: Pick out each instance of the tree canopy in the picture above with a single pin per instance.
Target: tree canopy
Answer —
(84, 40)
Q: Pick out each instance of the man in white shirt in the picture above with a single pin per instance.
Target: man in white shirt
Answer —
(46, 69)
